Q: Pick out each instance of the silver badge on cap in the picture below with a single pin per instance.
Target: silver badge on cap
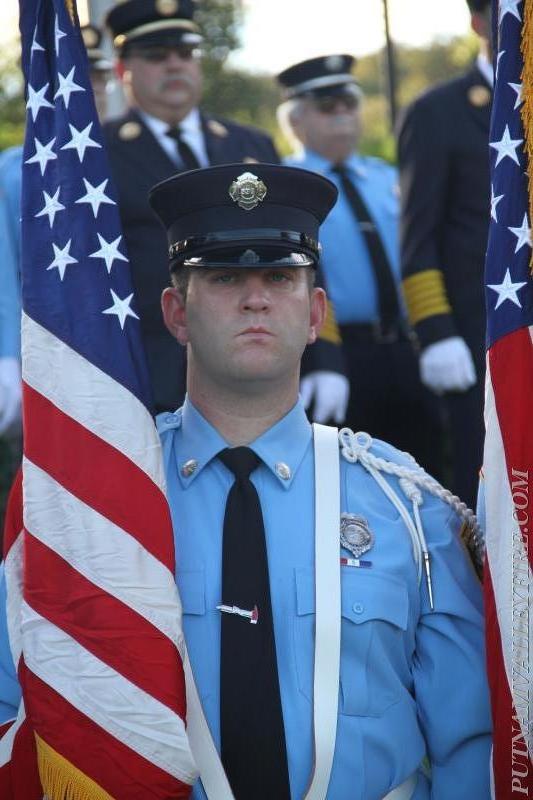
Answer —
(333, 63)
(247, 191)
(356, 536)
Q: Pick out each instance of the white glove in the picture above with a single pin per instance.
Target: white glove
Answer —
(447, 366)
(329, 391)
(10, 393)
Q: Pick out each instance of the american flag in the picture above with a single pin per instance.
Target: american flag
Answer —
(96, 630)
(508, 458)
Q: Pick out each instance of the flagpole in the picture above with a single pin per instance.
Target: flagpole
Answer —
(391, 67)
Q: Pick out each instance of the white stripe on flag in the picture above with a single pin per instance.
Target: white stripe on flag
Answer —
(51, 367)
(6, 741)
(98, 550)
(505, 547)
(146, 726)
(13, 570)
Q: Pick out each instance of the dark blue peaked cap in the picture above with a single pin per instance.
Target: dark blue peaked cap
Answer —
(146, 22)
(243, 215)
(318, 76)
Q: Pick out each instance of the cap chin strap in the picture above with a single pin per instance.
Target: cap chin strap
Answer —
(327, 644)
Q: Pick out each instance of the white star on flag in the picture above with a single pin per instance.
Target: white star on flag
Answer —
(37, 100)
(80, 141)
(523, 234)
(517, 87)
(43, 154)
(51, 206)
(121, 308)
(35, 46)
(507, 290)
(67, 86)
(506, 147)
(95, 196)
(509, 7)
(498, 57)
(62, 259)
(58, 34)
(108, 251)
(494, 200)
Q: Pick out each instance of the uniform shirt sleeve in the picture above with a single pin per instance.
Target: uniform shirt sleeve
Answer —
(9, 258)
(424, 161)
(9, 687)
(449, 668)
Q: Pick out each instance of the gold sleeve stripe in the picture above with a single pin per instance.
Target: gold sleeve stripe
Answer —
(330, 330)
(425, 295)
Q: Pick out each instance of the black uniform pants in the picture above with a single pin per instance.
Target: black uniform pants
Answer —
(387, 398)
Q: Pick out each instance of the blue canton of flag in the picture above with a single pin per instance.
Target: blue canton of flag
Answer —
(509, 298)
(76, 279)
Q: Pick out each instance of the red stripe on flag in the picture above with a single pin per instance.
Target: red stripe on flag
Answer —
(13, 518)
(110, 763)
(512, 356)
(510, 758)
(105, 626)
(19, 778)
(114, 486)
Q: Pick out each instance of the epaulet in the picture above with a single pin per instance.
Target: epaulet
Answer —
(379, 460)
(167, 421)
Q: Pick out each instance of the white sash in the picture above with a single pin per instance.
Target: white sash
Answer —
(327, 639)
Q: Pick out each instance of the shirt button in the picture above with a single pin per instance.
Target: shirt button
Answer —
(358, 608)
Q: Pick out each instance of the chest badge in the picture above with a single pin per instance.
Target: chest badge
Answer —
(356, 536)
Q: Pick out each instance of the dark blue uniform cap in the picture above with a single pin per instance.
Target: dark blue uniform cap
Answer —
(151, 22)
(240, 215)
(315, 77)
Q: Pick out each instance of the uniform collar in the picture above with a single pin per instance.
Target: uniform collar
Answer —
(485, 67)
(318, 163)
(282, 446)
(190, 124)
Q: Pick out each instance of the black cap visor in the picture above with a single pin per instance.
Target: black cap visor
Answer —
(246, 249)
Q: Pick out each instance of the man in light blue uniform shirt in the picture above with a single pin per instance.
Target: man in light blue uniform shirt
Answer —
(10, 386)
(412, 685)
(321, 116)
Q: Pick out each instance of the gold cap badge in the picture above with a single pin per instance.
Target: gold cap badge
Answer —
(128, 131)
(247, 191)
(479, 96)
(166, 7)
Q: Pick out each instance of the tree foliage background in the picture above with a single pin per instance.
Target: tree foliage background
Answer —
(252, 98)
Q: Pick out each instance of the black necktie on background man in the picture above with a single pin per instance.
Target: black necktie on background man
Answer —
(185, 152)
(251, 719)
(389, 311)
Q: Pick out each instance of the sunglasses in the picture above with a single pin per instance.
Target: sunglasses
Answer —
(157, 55)
(329, 103)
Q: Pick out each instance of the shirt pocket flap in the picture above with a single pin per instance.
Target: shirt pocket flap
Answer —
(365, 596)
(369, 595)
(191, 585)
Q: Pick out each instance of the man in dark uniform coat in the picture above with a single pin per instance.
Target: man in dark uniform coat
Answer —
(446, 206)
(164, 132)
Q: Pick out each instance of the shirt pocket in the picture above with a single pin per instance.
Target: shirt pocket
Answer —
(375, 609)
(191, 585)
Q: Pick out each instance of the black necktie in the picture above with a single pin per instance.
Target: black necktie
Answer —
(251, 720)
(387, 295)
(185, 152)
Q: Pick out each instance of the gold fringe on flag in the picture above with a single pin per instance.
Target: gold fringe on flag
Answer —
(526, 110)
(61, 780)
